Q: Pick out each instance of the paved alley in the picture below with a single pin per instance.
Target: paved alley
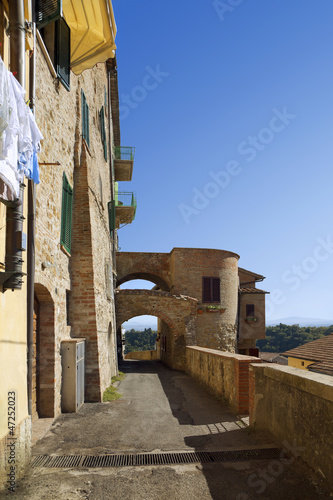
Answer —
(163, 411)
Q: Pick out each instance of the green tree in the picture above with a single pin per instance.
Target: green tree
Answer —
(140, 341)
(281, 338)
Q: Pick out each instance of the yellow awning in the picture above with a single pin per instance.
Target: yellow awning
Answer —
(93, 31)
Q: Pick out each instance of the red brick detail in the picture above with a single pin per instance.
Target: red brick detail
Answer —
(242, 383)
(83, 305)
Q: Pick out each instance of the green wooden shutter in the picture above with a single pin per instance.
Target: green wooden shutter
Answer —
(103, 134)
(66, 214)
(85, 118)
(63, 51)
(112, 215)
(47, 11)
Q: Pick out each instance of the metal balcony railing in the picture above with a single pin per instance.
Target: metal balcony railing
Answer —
(124, 153)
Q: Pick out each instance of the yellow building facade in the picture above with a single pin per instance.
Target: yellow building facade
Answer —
(15, 422)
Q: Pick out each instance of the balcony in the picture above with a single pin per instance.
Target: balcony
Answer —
(123, 163)
(125, 205)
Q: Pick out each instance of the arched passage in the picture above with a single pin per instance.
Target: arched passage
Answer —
(145, 276)
(154, 267)
(173, 310)
(43, 373)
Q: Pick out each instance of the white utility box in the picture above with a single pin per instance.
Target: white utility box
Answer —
(72, 361)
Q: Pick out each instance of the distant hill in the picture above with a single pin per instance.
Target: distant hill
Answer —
(300, 321)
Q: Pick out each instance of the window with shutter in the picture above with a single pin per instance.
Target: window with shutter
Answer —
(63, 51)
(210, 289)
(66, 214)
(85, 118)
(112, 215)
(56, 36)
(103, 134)
(47, 11)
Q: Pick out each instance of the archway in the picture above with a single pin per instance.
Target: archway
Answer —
(43, 373)
(173, 310)
(156, 280)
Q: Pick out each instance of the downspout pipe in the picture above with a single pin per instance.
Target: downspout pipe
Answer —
(31, 237)
(14, 214)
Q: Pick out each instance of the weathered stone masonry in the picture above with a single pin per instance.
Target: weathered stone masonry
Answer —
(221, 326)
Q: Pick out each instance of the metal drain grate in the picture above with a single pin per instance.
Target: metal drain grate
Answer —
(130, 460)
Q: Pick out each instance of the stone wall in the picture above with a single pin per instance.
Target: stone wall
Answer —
(77, 284)
(224, 374)
(142, 355)
(250, 330)
(295, 408)
(181, 272)
(172, 309)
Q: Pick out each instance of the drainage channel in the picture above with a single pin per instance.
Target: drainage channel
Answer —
(141, 459)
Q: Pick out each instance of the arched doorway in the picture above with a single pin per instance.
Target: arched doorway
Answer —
(43, 366)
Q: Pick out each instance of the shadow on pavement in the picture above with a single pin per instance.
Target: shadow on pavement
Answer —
(213, 427)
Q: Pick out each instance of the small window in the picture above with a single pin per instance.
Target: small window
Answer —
(249, 310)
(210, 289)
(85, 119)
(302, 363)
(66, 214)
(103, 134)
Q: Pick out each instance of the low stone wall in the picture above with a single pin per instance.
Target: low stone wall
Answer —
(142, 355)
(224, 374)
(295, 408)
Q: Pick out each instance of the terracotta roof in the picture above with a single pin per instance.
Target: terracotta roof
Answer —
(251, 289)
(251, 273)
(320, 351)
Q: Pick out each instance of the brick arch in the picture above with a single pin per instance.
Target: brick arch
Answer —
(154, 267)
(45, 351)
(174, 310)
(157, 280)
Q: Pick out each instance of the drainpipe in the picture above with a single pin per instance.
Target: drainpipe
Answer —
(14, 217)
(31, 236)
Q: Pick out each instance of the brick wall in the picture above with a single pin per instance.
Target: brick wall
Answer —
(172, 309)
(181, 272)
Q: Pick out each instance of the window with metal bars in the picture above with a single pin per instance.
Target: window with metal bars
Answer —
(210, 289)
(103, 134)
(85, 118)
(66, 214)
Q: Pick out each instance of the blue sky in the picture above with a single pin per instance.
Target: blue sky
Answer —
(230, 112)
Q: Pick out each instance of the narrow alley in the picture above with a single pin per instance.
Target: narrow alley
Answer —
(164, 411)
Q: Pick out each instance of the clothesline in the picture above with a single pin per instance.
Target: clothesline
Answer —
(19, 137)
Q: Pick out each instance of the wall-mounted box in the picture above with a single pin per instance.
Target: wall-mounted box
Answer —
(72, 361)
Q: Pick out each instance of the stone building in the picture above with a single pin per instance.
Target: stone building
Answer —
(201, 297)
(64, 289)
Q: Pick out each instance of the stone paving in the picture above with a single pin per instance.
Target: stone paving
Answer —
(163, 411)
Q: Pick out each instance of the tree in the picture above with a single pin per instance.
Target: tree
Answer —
(281, 338)
(140, 341)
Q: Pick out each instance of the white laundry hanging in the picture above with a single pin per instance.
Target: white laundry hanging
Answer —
(19, 139)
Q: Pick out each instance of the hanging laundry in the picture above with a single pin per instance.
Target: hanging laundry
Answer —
(4, 97)
(19, 137)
